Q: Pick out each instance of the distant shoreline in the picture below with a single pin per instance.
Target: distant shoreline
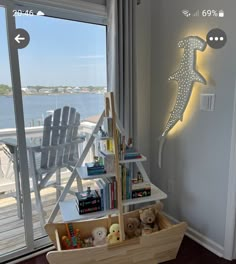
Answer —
(5, 90)
(46, 94)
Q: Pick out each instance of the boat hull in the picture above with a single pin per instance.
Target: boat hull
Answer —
(156, 247)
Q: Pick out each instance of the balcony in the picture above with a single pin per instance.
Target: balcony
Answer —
(11, 226)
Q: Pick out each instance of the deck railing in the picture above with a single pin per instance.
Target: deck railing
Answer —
(7, 179)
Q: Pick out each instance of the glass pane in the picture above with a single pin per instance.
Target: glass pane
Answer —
(63, 65)
(12, 232)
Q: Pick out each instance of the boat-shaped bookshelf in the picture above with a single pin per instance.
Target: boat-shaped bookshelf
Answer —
(157, 247)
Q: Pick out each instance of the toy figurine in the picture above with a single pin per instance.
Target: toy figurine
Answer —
(138, 179)
(88, 242)
(149, 218)
(114, 235)
(130, 143)
(139, 176)
(132, 227)
(71, 235)
(78, 237)
(101, 133)
(66, 243)
(99, 236)
(73, 239)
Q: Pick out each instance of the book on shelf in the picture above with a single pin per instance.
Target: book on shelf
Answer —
(141, 185)
(141, 189)
(88, 199)
(89, 209)
(126, 182)
(108, 158)
(96, 172)
(134, 155)
(131, 153)
(106, 193)
(141, 193)
(114, 190)
(111, 196)
(109, 144)
(107, 188)
(106, 153)
(133, 190)
(101, 192)
(87, 204)
(123, 177)
(93, 168)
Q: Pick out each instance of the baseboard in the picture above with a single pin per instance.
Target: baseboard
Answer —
(201, 239)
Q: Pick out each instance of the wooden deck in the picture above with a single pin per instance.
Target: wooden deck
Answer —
(12, 231)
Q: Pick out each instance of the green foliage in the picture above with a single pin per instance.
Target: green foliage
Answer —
(4, 89)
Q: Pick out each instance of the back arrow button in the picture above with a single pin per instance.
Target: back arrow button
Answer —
(18, 38)
(22, 38)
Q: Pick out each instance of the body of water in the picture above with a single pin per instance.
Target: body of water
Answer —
(36, 107)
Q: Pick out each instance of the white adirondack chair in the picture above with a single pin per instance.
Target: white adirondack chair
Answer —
(59, 149)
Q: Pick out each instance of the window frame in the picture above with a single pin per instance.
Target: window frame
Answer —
(77, 11)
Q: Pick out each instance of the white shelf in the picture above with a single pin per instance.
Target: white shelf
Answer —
(82, 171)
(156, 194)
(143, 158)
(70, 212)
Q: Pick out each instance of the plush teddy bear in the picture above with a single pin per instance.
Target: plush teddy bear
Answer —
(132, 227)
(99, 236)
(149, 218)
(114, 234)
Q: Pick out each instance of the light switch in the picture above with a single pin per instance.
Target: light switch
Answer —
(207, 102)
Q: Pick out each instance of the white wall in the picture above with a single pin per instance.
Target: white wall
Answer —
(196, 156)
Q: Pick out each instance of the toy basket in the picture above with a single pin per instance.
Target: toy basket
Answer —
(156, 247)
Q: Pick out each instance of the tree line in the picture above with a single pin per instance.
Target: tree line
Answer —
(6, 89)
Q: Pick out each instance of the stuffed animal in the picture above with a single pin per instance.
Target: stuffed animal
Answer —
(114, 234)
(132, 227)
(149, 218)
(99, 236)
(87, 242)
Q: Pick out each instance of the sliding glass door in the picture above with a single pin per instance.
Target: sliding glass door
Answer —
(64, 64)
(54, 62)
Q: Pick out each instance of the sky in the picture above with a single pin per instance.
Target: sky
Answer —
(60, 52)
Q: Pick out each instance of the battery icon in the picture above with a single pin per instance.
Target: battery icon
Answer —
(221, 13)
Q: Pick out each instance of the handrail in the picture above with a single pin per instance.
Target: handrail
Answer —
(37, 131)
(30, 131)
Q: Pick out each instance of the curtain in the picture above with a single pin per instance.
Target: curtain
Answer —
(121, 64)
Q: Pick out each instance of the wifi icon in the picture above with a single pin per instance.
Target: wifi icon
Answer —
(196, 14)
(186, 13)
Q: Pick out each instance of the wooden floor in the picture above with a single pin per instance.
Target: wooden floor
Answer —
(12, 228)
(190, 253)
